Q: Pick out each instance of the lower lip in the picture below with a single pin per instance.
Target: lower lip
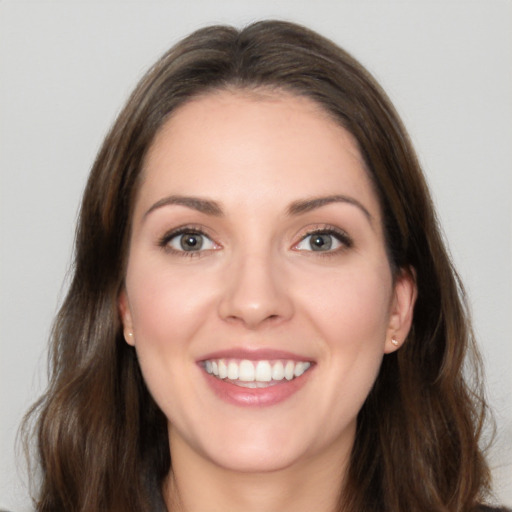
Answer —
(255, 397)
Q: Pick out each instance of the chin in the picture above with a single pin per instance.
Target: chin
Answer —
(254, 458)
(246, 447)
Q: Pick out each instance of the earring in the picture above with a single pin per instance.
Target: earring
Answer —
(395, 342)
(129, 334)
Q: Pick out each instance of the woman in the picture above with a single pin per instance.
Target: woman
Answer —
(262, 315)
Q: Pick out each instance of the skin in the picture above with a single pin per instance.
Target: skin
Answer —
(257, 283)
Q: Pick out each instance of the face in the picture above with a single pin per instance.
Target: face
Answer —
(258, 293)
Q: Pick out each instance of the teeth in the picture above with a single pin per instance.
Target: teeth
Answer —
(223, 369)
(288, 370)
(232, 371)
(246, 371)
(278, 371)
(253, 374)
(300, 368)
(263, 371)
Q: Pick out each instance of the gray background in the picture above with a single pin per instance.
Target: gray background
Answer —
(67, 67)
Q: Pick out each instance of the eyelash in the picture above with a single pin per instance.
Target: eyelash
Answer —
(164, 242)
(341, 236)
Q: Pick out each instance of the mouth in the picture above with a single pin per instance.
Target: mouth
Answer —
(255, 374)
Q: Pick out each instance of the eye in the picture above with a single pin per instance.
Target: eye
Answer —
(324, 241)
(188, 241)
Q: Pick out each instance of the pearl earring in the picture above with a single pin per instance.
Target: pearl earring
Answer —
(395, 342)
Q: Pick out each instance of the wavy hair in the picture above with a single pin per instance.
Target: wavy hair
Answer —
(102, 441)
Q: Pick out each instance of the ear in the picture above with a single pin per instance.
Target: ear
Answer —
(402, 309)
(126, 317)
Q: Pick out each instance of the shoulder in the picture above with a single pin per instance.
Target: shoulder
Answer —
(486, 508)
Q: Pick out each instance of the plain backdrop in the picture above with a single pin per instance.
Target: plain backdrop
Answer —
(67, 67)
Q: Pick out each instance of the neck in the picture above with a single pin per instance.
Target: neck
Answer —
(196, 484)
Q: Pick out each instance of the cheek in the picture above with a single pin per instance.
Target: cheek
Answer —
(168, 310)
(351, 308)
(350, 315)
(167, 306)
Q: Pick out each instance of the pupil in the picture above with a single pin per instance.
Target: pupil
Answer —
(321, 242)
(190, 242)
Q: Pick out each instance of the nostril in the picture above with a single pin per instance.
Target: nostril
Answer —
(254, 297)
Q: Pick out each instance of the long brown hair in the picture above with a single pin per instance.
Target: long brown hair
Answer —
(102, 441)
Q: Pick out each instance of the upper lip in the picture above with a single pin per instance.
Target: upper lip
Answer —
(260, 354)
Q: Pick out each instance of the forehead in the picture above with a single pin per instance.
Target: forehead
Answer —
(254, 145)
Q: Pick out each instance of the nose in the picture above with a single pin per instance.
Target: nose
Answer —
(255, 293)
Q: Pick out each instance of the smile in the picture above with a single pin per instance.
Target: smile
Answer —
(255, 374)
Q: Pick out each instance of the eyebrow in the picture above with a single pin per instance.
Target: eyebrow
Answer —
(306, 205)
(205, 206)
(209, 207)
